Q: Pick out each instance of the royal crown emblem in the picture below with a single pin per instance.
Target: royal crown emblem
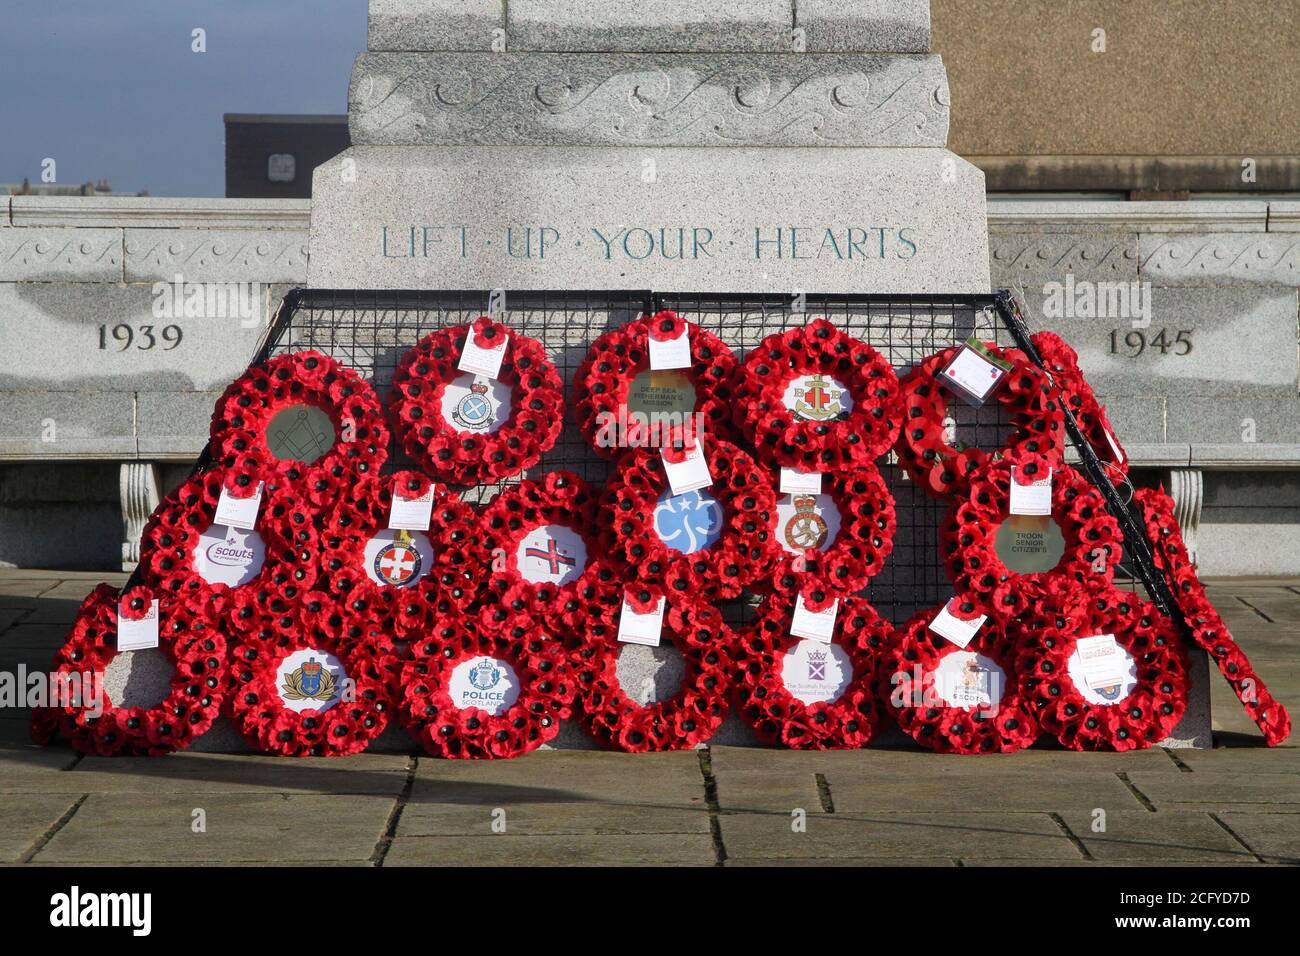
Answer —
(806, 528)
(310, 681)
(398, 563)
(817, 665)
(485, 675)
(475, 410)
(817, 400)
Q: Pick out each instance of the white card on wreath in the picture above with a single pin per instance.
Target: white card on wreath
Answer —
(481, 361)
(138, 635)
(814, 625)
(1103, 663)
(974, 372)
(1034, 498)
(238, 512)
(674, 353)
(1115, 450)
(411, 514)
(800, 483)
(960, 632)
(636, 628)
(690, 474)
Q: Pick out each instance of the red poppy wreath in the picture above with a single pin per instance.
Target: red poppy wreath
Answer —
(807, 694)
(1063, 364)
(485, 692)
(300, 415)
(86, 716)
(635, 722)
(1135, 706)
(954, 699)
(941, 468)
(817, 399)
(467, 429)
(622, 403)
(838, 539)
(1207, 627)
(1005, 561)
(708, 543)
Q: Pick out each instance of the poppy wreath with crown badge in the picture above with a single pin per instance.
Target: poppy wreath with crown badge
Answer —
(817, 399)
(805, 694)
(1092, 542)
(1131, 713)
(709, 543)
(615, 718)
(618, 365)
(1207, 626)
(951, 699)
(860, 547)
(941, 468)
(321, 418)
(472, 444)
(472, 690)
(83, 712)
(1063, 363)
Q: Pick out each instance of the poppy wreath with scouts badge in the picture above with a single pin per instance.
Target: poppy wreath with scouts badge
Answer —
(474, 445)
(1104, 718)
(940, 468)
(784, 684)
(1063, 364)
(845, 395)
(86, 716)
(475, 691)
(281, 394)
(709, 543)
(858, 551)
(971, 705)
(606, 379)
(615, 719)
(1092, 541)
(1207, 626)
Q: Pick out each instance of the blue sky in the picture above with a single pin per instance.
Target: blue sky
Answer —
(111, 89)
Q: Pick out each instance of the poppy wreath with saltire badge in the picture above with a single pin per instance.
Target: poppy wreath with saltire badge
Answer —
(452, 423)
(941, 468)
(1139, 708)
(298, 416)
(806, 694)
(817, 399)
(613, 714)
(479, 690)
(952, 699)
(617, 370)
(84, 714)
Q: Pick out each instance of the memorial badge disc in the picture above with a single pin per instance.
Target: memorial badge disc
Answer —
(398, 558)
(229, 556)
(300, 433)
(807, 521)
(310, 680)
(818, 398)
(814, 672)
(689, 522)
(969, 679)
(476, 404)
(654, 393)
(1108, 693)
(551, 554)
(487, 683)
(1029, 544)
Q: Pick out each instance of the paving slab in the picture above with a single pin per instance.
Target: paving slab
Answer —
(548, 819)
(1244, 760)
(1167, 836)
(26, 820)
(776, 790)
(1274, 836)
(35, 636)
(1207, 789)
(636, 849)
(240, 827)
(865, 861)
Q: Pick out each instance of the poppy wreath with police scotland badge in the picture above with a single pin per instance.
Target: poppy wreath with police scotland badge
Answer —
(298, 416)
(817, 399)
(952, 699)
(465, 440)
(1207, 627)
(1063, 363)
(710, 542)
(180, 555)
(295, 690)
(806, 694)
(472, 690)
(843, 560)
(941, 468)
(687, 718)
(1133, 713)
(617, 369)
(83, 712)
(1092, 543)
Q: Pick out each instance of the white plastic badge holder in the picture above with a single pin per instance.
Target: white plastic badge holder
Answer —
(1031, 499)
(690, 474)
(974, 373)
(674, 353)
(958, 631)
(798, 483)
(481, 361)
(411, 514)
(1116, 452)
(1103, 664)
(238, 512)
(634, 628)
(815, 626)
(138, 635)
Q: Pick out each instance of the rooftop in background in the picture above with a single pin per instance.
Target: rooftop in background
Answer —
(27, 188)
(272, 155)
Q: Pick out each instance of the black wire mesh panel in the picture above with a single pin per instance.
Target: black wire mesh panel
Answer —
(370, 331)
